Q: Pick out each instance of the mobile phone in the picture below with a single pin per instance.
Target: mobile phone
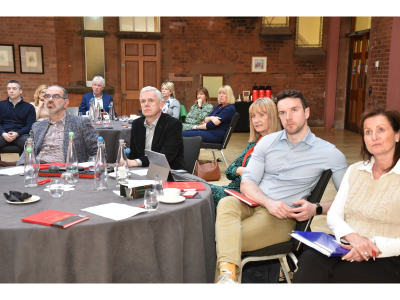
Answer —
(189, 194)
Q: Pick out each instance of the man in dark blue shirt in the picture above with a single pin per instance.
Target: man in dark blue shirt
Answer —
(16, 117)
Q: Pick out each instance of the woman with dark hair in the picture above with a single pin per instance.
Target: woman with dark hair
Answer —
(365, 213)
(199, 110)
(264, 120)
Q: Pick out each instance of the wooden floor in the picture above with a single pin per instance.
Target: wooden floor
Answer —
(347, 142)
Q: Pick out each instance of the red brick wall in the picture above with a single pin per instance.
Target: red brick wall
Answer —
(379, 49)
(29, 31)
(191, 44)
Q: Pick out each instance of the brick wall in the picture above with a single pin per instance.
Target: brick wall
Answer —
(379, 49)
(29, 31)
(193, 46)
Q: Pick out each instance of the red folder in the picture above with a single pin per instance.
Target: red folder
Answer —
(46, 166)
(51, 217)
(242, 198)
(182, 185)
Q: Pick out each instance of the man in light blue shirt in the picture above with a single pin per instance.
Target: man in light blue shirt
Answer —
(284, 168)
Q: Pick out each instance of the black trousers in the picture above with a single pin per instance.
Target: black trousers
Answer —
(314, 267)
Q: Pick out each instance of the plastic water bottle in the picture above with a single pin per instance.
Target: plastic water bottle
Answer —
(92, 111)
(99, 116)
(72, 159)
(30, 169)
(158, 186)
(100, 167)
(121, 165)
(111, 112)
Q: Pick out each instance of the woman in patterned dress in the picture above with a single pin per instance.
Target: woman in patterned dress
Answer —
(199, 111)
(263, 120)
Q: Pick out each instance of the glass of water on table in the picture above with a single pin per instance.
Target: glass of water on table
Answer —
(151, 200)
(56, 188)
(92, 161)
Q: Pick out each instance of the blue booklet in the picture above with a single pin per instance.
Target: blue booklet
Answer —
(321, 242)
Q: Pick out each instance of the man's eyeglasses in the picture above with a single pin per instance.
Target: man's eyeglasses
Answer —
(55, 97)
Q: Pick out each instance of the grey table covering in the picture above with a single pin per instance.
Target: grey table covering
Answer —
(112, 137)
(175, 244)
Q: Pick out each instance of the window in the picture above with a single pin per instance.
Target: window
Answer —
(94, 58)
(212, 84)
(93, 23)
(275, 21)
(309, 32)
(139, 24)
(363, 23)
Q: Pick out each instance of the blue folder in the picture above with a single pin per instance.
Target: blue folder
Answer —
(321, 242)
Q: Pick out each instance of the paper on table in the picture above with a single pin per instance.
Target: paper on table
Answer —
(142, 172)
(84, 164)
(12, 170)
(115, 211)
(136, 183)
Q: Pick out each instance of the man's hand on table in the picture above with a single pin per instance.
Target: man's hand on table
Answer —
(132, 163)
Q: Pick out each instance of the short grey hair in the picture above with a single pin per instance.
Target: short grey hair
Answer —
(150, 88)
(65, 96)
(99, 79)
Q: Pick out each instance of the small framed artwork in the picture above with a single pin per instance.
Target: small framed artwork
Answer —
(31, 58)
(246, 95)
(259, 64)
(7, 59)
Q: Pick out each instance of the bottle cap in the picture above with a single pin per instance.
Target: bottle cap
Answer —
(101, 107)
(71, 134)
(91, 100)
(100, 139)
(127, 150)
(29, 150)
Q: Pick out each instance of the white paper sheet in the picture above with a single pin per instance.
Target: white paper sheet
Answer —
(115, 211)
(136, 183)
(12, 170)
(142, 172)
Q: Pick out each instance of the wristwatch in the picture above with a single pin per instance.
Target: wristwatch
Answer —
(319, 209)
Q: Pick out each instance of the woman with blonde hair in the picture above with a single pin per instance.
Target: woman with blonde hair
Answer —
(217, 122)
(41, 112)
(263, 120)
(171, 104)
(199, 110)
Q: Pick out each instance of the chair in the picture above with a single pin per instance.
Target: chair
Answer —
(11, 149)
(73, 110)
(220, 147)
(191, 150)
(182, 113)
(281, 250)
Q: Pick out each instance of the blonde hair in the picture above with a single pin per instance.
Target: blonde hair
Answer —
(229, 94)
(38, 90)
(267, 106)
(170, 86)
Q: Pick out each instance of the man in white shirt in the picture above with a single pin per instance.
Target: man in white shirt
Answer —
(100, 99)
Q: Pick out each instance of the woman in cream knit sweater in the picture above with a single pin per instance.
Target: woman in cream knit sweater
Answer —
(366, 210)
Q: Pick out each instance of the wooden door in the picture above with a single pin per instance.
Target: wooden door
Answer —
(358, 77)
(140, 61)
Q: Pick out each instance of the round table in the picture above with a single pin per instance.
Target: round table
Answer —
(112, 136)
(174, 244)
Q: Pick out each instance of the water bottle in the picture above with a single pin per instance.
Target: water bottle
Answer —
(121, 165)
(99, 116)
(158, 186)
(72, 159)
(30, 169)
(111, 112)
(100, 167)
(29, 144)
(92, 111)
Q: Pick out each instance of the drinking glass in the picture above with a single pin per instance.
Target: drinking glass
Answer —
(124, 118)
(151, 200)
(56, 188)
(92, 161)
(79, 114)
(67, 178)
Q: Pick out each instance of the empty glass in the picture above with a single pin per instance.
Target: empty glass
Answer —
(150, 200)
(56, 188)
(92, 161)
(124, 118)
(67, 178)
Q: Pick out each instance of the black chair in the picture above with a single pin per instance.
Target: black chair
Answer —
(191, 150)
(281, 250)
(220, 147)
(11, 149)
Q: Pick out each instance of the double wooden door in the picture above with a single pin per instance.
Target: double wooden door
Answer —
(359, 46)
(140, 61)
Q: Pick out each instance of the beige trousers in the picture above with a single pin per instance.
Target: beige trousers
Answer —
(240, 227)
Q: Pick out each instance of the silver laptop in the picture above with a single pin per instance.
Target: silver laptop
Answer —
(159, 166)
(73, 110)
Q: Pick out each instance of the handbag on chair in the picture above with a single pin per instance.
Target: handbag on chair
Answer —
(207, 170)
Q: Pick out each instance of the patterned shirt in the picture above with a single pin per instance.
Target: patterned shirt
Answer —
(52, 147)
(196, 114)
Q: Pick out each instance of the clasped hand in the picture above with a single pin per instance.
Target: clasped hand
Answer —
(305, 212)
(10, 136)
(216, 120)
(360, 248)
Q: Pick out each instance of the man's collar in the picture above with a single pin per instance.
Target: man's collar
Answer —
(308, 139)
(9, 99)
(154, 122)
(101, 96)
(367, 166)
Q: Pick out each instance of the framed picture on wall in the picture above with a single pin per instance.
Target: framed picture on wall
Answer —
(259, 64)
(7, 59)
(31, 58)
(246, 95)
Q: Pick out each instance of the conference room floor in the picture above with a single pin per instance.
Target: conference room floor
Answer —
(346, 141)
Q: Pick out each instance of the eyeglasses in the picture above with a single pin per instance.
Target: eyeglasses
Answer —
(55, 97)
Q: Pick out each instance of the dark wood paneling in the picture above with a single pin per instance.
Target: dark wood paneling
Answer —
(150, 73)
(132, 75)
(149, 50)
(131, 49)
